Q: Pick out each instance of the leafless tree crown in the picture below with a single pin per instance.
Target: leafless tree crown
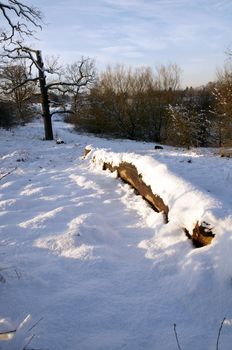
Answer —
(17, 20)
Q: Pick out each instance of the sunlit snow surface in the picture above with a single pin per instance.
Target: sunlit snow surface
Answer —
(82, 251)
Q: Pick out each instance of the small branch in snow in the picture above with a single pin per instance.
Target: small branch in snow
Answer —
(176, 336)
(219, 332)
(29, 341)
(34, 325)
(9, 172)
(18, 274)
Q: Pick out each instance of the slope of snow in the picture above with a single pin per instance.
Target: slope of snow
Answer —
(81, 251)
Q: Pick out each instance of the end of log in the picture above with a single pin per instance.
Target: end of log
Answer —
(202, 234)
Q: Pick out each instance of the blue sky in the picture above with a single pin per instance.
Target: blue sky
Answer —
(192, 33)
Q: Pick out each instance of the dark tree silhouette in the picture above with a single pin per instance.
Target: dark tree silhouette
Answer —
(17, 21)
(85, 74)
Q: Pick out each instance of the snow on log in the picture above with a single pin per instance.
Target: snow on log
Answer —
(180, 202)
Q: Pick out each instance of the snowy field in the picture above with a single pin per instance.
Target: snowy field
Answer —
(93, 263)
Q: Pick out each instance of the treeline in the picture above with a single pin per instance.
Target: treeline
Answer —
(144, 105)
(138, 104)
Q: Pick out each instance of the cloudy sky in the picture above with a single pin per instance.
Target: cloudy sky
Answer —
(192, 33)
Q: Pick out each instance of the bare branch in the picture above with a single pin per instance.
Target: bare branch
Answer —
(20, 52)
(63, 111)
(26, 81)
(168, 77)
(26, 16)
(62, 83)
(58, 88)
(52, 65)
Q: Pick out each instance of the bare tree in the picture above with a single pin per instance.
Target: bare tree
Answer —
(17, 20)
(12, 75)
(123, 103)
(77, 79)
(57, 83)
(168, 77)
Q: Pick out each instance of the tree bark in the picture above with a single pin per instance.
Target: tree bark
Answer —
(44, 98)
(129, 174)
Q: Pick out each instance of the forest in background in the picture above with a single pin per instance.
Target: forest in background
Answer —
(137, 104)
(121, 102)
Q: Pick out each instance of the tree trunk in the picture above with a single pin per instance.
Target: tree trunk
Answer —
(129, 174)
(44, 98)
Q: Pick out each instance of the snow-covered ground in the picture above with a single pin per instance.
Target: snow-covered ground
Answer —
(90, 260)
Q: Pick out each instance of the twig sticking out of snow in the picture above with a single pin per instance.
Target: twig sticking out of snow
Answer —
(219, 332)
(9, 172)
(29, 341)
(176, 336)
(218, 337)
(18, 274)
(34, 325)
(19, 338)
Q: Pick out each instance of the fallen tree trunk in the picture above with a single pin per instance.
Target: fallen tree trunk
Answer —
(129, 174)
(201, 234)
